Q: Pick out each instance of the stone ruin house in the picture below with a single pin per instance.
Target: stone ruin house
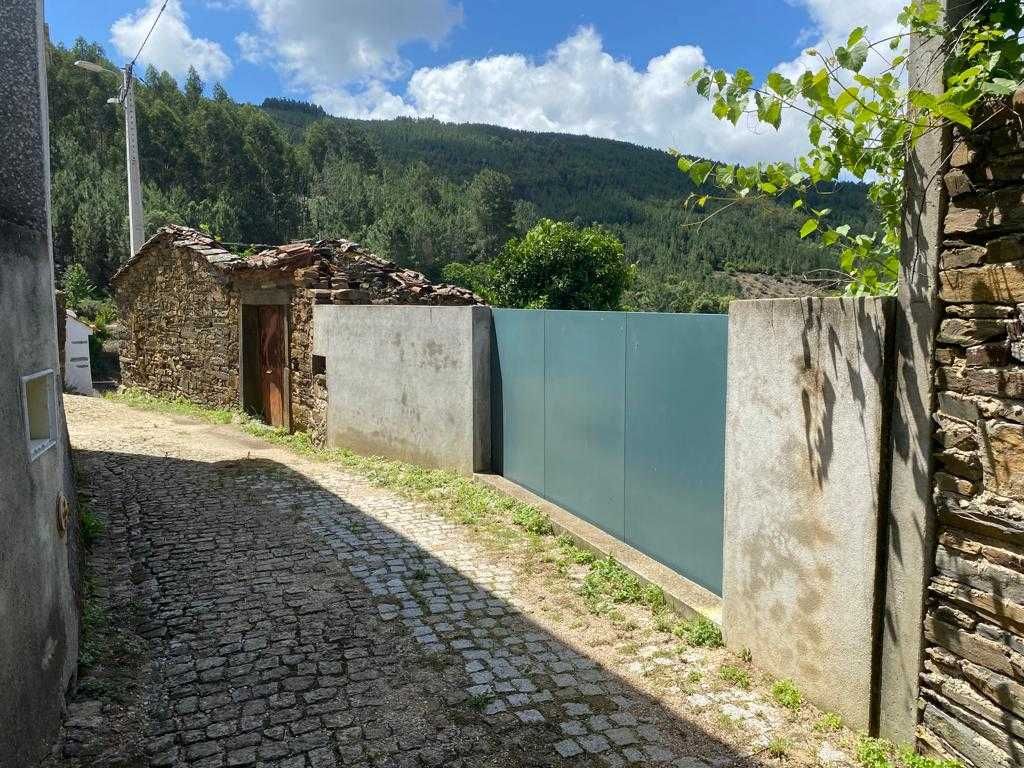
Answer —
(228, 330)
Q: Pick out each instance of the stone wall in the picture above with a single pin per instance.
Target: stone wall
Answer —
(972, 685)
(181, 328)
(181, 299)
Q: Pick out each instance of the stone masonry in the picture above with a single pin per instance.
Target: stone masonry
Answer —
(180, 300)
(972, 696)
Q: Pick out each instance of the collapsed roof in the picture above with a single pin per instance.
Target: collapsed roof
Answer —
(342, 263)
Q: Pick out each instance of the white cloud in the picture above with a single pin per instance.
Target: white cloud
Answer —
(252, 48)
(577, 88)
(325, 44)
(580, 88)
(172, 46)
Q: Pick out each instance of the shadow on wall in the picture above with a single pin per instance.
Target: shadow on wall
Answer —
(806, 483)
(246, 565)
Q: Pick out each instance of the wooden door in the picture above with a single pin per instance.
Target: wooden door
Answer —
(273, 362)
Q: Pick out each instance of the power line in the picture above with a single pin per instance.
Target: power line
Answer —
(146, 38)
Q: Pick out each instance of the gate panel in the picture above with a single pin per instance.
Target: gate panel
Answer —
(519, 393)
(675, 441)
(620, 419)
(585, 415)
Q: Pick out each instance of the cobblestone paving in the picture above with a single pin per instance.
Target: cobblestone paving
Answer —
(295, 616)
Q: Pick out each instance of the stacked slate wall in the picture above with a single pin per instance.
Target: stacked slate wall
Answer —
(181, 328)
(972, 685)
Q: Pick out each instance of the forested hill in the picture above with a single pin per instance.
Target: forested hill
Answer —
(420, 192)
(567, 176)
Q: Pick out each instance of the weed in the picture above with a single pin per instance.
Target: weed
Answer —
(735, 675)
(421, 574)
(785, 693)
(94, 621)
(532, 520)
(609, 581)
(829, 721)
(746, 656)
(663, 621)
(90, 525)
(574, 553)
(700, 632)
(727, 723)
(880, 753)
(778, 747)
(910, 759)
(479, 701)
(629, 649)
(694, 676)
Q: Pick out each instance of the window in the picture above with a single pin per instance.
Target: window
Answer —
(319, 365)
(39, 405)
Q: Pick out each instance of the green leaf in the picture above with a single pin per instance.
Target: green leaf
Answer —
(843, 230)
(685, 164)
(743, 79)
(773, 113)
(953, 113)
(853, 58)
(780, 84)
(856, 35)
(768, 188)
(809, 226)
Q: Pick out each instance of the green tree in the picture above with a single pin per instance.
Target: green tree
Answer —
(77, 286)
(193, 88)
(861, 123)
(491, 203)
(558, 265)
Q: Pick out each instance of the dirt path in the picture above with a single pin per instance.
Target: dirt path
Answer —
(259, 608)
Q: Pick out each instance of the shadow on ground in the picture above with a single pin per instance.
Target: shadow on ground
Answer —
(264, 619)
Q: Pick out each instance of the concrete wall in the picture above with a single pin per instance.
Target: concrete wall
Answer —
(408, 382)
(38, 558)
(805, 473)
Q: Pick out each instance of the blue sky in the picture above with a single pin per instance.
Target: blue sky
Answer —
(614, 69)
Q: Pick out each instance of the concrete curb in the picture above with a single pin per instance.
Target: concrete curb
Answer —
(686, 598)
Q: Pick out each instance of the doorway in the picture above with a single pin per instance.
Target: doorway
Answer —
(265, 363)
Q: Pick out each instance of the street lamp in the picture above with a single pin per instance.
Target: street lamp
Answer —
(126, 97)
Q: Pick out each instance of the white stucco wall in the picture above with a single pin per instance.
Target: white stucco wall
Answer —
(77, 370)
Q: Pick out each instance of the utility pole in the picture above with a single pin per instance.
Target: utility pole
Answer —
(126, 97)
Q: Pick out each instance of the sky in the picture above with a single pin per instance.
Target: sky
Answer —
(614, 69)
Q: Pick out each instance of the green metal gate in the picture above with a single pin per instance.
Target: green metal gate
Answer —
(619, 417)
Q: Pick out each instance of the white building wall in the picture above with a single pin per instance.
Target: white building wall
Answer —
(77, 369)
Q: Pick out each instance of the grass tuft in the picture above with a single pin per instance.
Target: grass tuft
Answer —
(700, 632)
(778, 747)
(735, 676)
(830, 721)
(89, 524)
(785, 693)
(881, 753)
(608, 582)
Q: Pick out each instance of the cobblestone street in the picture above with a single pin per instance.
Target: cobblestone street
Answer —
(291, 614)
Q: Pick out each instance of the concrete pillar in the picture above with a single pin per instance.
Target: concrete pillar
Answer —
(911, 526)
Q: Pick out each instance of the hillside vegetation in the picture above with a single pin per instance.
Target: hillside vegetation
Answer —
(421, 192)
